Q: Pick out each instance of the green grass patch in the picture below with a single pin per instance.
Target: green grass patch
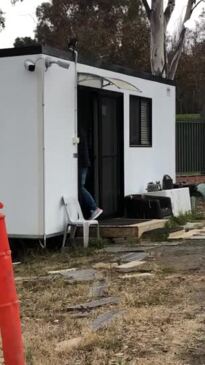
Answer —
(182, 219)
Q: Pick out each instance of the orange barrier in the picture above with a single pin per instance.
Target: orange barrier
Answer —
(10, 324)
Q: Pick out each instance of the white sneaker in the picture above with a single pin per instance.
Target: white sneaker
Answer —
(96, 213)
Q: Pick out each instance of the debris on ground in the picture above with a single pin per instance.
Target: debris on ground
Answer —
(130, 266)
(137, 312)
(187, 234)
(93, 304)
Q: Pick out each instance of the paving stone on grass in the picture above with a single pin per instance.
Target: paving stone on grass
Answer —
(137, 275)
(105, 265)
(104, 319)
(121, 248)
(133, 256)
(93, 304)
(81, 275)
(130, 266)
(62, 272)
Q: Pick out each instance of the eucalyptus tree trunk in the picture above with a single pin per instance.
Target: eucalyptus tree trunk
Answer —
(157, 25)
(159, 19)
(178, 50)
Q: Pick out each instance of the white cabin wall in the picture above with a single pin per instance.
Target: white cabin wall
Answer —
(21, 165)
(60, 163)
(37, 162)
(145, 164)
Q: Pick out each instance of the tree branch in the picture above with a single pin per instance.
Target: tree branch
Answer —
(168, 11)
(191, 5)
(195, 6)
(188, 11)
(147, 8)
(177, 53)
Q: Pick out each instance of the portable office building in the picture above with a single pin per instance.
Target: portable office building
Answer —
(45, 96)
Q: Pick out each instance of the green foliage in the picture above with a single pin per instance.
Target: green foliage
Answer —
(24, 41)
(182, 219)
(190, 76)
(113, 31)
(187, 117)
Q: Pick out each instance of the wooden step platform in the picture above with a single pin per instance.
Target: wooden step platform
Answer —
(123, 227)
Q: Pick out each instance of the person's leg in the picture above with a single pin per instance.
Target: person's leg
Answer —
(86, 196)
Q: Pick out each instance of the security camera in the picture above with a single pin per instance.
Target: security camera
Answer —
(29, 65)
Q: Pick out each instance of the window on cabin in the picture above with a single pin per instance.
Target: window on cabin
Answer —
(140, 121)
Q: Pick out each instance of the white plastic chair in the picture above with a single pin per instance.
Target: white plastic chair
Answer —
(75, 219)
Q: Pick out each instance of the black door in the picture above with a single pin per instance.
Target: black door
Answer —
(110, 154)
(104, 111)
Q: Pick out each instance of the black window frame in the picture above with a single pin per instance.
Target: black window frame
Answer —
(137, 142)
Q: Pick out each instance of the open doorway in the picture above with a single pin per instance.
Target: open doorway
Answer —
(101, 114)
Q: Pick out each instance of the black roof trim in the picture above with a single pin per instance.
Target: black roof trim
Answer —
(39, 49)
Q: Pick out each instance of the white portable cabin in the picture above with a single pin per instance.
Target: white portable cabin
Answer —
(130, 119)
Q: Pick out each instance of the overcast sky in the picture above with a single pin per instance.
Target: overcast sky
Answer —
(21, 21)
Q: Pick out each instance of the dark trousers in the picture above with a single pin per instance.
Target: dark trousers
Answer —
(86, 197)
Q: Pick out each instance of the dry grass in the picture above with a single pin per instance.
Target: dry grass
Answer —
(162, 324)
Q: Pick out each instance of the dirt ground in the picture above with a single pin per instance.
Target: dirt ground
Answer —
(162, 320)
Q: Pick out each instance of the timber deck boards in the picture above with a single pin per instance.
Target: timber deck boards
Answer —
(123, 227)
